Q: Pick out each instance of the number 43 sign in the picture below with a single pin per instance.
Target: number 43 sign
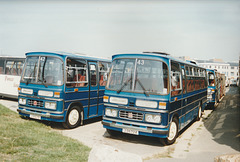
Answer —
(140, 62)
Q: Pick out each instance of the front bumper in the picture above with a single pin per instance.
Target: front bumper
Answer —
(142, 129)
(41, 115)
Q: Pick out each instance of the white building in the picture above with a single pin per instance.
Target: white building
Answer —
(230, 69)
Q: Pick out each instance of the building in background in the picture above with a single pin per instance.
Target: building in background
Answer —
(230, 69)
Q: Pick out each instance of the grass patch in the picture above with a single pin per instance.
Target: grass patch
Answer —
(28, 140)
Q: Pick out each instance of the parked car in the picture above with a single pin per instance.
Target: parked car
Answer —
(233, 82)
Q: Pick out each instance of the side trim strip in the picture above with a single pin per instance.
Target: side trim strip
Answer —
(189, 96)
(188, 111)
(186, 105)
(83, 99)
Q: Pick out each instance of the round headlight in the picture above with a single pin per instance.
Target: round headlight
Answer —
(22, 101)
(108, 112)
(114, 112)
(148, 117)
(157, 119)
(153, 118)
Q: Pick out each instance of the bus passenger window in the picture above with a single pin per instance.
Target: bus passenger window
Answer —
(19, 67)
(76, 73)
(183, 81)
(211, 79)
(187, 70)
(176, 87)
(93, 75)
(103, 73)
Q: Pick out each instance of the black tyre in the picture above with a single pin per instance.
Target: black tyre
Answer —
(199, 112)
(173, 132)
(73, 118)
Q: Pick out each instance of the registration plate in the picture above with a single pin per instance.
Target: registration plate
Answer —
(35, 116)
(130, 131)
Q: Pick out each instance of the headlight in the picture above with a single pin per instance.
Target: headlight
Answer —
(22, 101)
(145, 103)
(118, 100)
(210, 91)
(111, 112)
(50, 105)
(45, 93)
(27, 91)
(152, 118)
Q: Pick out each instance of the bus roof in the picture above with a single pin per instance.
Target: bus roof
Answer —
(66, 54)
(12, 57)
(212, 70)
(155, 55)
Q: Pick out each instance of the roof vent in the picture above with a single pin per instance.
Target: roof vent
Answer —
(193, 62)
(160, 53)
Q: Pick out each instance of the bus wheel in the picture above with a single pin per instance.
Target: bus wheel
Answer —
(73, 117)
(199, 112)
(112, 132)
(173, 132)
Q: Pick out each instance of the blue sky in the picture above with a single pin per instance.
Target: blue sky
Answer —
(199, 29)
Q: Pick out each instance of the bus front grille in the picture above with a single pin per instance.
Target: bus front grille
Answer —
(35, 103)
(131, 115)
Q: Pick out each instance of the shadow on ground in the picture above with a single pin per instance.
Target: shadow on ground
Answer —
(224, 121)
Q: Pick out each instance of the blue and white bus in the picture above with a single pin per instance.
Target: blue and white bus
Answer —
(62, 87)
(213, 94)
(153, 94)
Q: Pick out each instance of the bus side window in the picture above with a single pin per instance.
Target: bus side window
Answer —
(176, 87)
(1, 66)
(183, 81)
(19, 65)
(8, 66)
(14, 68)
(1, 70)
(103, 73)
(93, 75)
(76, 73)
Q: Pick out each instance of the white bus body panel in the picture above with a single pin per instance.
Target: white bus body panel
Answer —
(9, 85)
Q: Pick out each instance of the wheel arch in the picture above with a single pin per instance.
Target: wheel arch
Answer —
(175, 115)
(78, 104)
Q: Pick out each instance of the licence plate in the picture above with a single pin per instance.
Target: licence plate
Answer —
(130, 131)
(35, 116)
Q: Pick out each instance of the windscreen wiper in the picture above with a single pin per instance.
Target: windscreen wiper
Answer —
(44, 82)
(144, 90)
(124, 84)
(27, 82)
(30, 76)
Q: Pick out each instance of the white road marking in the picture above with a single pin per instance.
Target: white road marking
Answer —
(220, 122)
(217, 136)
(231, 103)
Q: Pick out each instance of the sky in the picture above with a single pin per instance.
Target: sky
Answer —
(203, 29)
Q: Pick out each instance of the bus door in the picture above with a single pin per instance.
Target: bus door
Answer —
(93, 89)
(176, 88)
(184, 96)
